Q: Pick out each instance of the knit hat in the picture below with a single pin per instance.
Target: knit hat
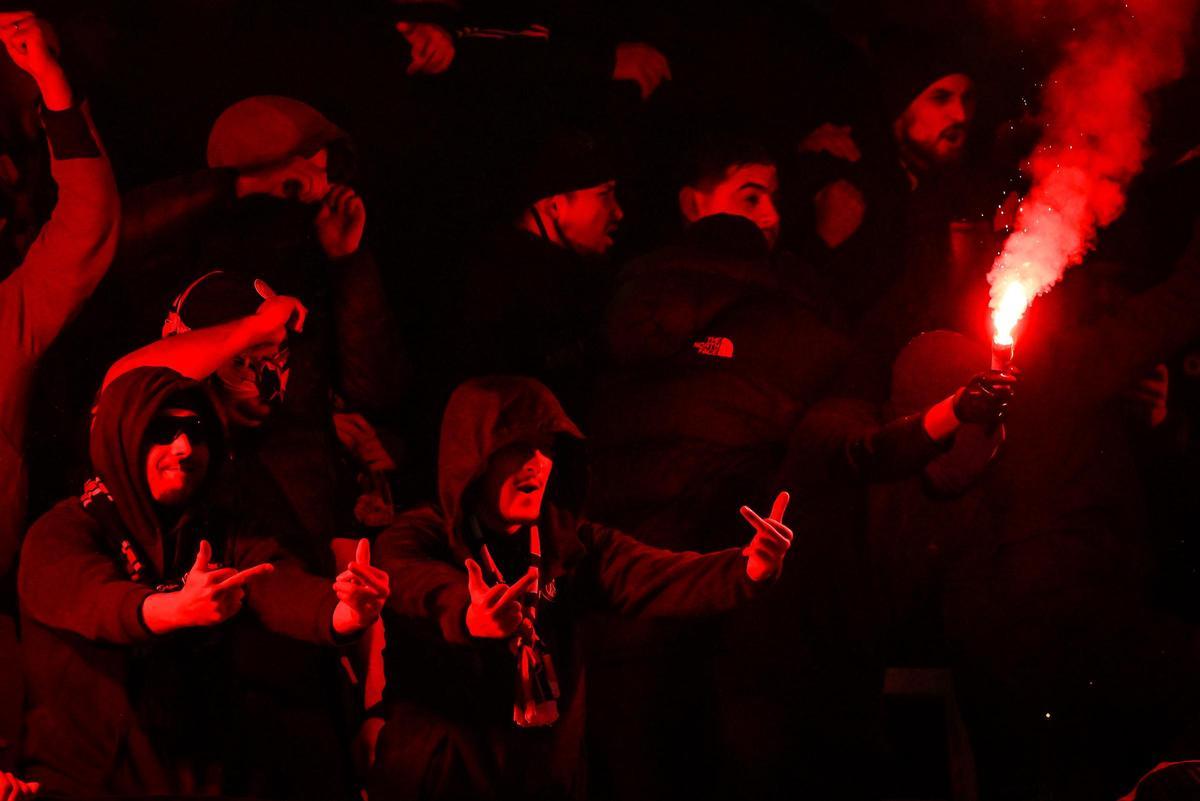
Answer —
(908, 60)
(266, 129)
(568, 160)
(214, 298)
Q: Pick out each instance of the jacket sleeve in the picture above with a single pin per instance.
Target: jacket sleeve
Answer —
(166, 211)
(425, 584)
(74, 248)
(68, 582)
(290, 601)
(635, 579)
(653, 315)
(1102, 359)
(842, 439)
(373, 367)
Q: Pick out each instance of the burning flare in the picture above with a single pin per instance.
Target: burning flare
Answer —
(1095, 126)
(1008, 313)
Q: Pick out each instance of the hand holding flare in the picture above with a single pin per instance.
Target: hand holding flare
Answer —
(764, 555)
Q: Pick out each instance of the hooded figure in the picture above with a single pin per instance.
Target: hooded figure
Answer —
(114, 708)
(451, 728)
(280, 184)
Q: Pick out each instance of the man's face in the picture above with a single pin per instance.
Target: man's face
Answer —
(177, 455)
(934, 126)
(515, 483)
(588, 217)
(747, 190)
(251, 384)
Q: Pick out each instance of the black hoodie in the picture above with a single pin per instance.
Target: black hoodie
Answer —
(450, 731)
(112, 707)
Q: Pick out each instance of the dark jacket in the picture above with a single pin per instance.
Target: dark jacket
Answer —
(717, 352)
(62, 267)
(112, 707)
(533, 308)
(450, 730)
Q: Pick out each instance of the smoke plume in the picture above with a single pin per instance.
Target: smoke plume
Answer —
(1096, 122)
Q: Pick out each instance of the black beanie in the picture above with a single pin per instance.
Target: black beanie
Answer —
(216, 297)
(567, 160)
(908, 60)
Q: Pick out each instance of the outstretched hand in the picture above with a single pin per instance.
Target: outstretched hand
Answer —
(496, 611)
(210, 595)
(764, 555)
(362, 590)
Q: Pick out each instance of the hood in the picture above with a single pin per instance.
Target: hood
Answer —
(266, 129)
(485, 415)
(123, 412)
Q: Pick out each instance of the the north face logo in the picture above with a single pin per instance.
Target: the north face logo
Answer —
(721, 347)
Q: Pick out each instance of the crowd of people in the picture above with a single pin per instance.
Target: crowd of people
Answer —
(493, 345)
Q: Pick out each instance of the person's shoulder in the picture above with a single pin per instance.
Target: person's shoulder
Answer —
(69, 513)
(422, 524)
(722, 246)
(62, 525)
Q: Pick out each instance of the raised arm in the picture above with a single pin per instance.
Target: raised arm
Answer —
(197, 354)
(75, 247)
(639, 580)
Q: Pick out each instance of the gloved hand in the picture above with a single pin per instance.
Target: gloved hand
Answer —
(984, 399)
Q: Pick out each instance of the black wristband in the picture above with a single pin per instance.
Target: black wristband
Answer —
(69, 134)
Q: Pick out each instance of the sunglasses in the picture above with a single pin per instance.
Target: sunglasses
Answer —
(165, 429)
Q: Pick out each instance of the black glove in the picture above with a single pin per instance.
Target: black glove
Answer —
(984, 400)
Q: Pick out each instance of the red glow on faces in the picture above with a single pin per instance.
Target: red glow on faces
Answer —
(515, 484)
(174, 471)
(748, 190)
(588, 218)
(237, 387)
(934, 126)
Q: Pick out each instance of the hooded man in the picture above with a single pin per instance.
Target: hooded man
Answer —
(487, 698)
(234, 333)
(129, 594)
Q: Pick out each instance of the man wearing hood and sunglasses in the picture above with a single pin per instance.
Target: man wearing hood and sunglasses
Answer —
(131, 592)
(233, 332)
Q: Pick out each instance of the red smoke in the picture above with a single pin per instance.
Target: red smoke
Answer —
(1096, 123)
